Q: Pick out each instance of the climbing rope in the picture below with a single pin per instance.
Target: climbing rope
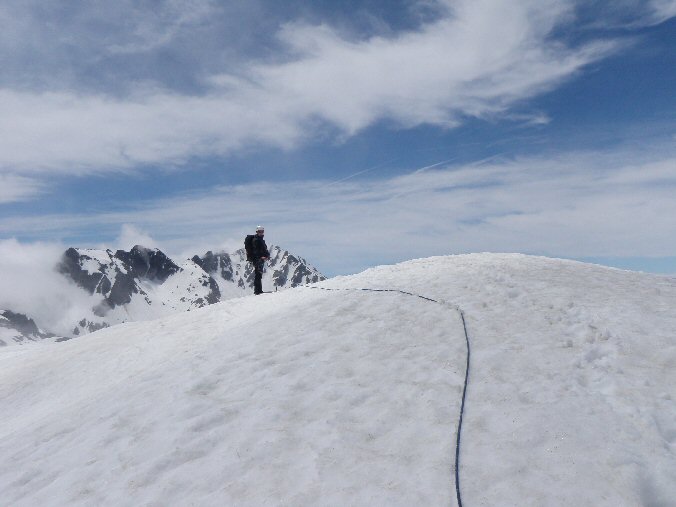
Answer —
(464, 388)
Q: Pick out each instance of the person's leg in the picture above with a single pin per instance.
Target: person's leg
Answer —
(258, 279)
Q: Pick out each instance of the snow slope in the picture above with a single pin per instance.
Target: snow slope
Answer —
(347, 397)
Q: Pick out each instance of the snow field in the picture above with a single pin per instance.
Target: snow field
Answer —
(311, 397)
(298, 398)
(572, 388)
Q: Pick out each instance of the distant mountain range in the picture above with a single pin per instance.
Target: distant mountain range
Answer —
(145, 283)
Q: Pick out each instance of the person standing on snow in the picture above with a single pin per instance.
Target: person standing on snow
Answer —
(260, 255)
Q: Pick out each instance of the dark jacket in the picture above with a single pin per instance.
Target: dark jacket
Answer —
(260, 249)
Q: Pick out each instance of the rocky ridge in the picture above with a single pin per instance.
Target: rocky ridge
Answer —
(144, 283)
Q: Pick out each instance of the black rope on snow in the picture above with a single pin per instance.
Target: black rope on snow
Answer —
(464, 388)
(462, 411)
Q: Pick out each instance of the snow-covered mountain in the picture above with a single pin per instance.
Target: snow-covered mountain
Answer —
(144, 283)
(18, 328)
(352, 397)
(137, 285)
(235, 276)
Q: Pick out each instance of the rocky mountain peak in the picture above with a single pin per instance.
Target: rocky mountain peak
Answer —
(17, 327)
(145, 283)
(151, 264)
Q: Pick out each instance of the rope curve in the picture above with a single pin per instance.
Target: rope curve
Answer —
(464, 388)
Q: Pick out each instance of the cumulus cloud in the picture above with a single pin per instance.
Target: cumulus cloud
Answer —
(476, 59)
(30, 284)
(130, 235)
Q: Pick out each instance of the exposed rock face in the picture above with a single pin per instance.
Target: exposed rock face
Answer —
(17, 328)
(292, 271)
(116, 276)
(88, 327)
(71, 265)
(219, 264)
(145, 263)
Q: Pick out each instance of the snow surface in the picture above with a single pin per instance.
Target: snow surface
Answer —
(8, 336)
(311, 397)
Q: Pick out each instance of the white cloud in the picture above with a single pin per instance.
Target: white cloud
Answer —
(154, 27)
(478, 59)
(130, 236)
(30, 284)
(631, 14)
(575, 205)
(662, 10)
(18, 188)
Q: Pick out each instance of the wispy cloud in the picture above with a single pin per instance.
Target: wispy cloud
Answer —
(18, 188)
(576, 205)
(661, 10)
(152, 28)
(629, 14)
(477, 59)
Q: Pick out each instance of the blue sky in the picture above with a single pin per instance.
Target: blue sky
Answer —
(358, 132)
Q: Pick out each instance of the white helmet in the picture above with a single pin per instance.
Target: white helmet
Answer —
(260, 228)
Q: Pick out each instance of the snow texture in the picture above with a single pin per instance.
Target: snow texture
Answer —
(347, 397)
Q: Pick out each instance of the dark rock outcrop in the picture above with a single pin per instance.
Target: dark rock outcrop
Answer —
(116, 276)
(71, 265)
(220, 263)
(23, 327)
(150, 264)
(86, 326)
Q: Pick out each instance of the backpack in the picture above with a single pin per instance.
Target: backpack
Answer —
(248, 246)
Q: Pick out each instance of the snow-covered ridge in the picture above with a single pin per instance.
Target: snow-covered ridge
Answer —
(137, 285)
(235, 276)
(145, 283)
(311, 397)
(18, 328)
